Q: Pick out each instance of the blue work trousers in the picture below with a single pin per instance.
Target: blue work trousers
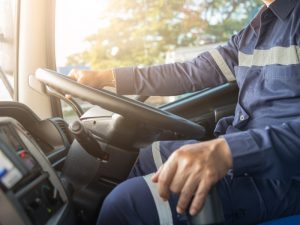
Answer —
(245, 199)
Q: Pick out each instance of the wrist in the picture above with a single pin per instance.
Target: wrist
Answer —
(225, 152)
(106, 77)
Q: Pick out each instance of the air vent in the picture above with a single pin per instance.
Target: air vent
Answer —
(63, 126)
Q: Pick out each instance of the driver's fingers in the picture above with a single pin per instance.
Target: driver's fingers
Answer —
(165, 178)
(68, 96)
(156, 175)
(200, 195)
(186, 194)
(73, 74)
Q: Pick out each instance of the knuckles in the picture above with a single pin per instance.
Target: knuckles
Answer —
(211, 175)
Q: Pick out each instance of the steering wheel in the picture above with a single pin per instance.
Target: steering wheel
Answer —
(126, 107)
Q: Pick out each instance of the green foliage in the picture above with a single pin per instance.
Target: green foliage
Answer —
(140, 32)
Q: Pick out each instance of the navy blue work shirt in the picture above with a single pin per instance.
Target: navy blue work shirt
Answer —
(264, 60)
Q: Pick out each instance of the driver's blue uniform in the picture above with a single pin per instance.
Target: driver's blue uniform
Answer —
(263, 136)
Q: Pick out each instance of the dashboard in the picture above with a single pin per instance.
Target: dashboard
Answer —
(48, 178)
(31, 192)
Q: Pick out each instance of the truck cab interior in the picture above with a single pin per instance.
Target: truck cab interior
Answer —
(56, 170)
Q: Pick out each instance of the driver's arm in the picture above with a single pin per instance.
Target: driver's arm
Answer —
(209, 69)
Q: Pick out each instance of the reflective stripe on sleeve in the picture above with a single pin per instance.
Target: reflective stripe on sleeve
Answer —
(163, 207)
(156, 154)
(222, 64)
(276, 55)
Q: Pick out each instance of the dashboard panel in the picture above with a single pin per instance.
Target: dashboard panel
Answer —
(31, 193)
(8, 136)
(55, 180)
(51, 134)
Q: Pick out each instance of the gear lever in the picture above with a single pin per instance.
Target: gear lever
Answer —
(212, 211)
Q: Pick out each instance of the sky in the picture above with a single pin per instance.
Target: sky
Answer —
(75, 20)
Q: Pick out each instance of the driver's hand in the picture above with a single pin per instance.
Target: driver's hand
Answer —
(93, 78)
(191, 171)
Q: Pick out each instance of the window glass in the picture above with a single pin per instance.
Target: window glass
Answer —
(101, 34)
(8, 23)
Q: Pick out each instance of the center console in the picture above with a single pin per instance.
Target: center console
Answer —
(30, 190)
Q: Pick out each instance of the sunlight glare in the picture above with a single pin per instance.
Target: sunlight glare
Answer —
(75, 20)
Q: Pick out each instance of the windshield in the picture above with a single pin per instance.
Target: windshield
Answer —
(8, 59)
(101, 34)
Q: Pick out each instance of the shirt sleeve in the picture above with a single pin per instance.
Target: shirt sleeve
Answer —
(272, 152)
(209, 69)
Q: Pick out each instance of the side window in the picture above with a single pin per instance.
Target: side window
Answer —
(94, 34)
(8, 56)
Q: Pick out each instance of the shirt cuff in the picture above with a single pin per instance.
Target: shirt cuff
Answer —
(124, 80)
(246, 154)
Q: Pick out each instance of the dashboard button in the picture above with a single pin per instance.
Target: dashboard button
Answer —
(3, 171)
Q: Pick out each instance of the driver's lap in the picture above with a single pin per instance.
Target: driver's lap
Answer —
(246, 200)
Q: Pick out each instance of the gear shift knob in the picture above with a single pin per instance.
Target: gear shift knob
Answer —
(212, 211)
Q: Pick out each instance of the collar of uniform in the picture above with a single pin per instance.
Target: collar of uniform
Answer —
(282, 8)
(256, 20)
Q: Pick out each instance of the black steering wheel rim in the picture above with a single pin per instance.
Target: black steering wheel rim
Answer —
(121, 105)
